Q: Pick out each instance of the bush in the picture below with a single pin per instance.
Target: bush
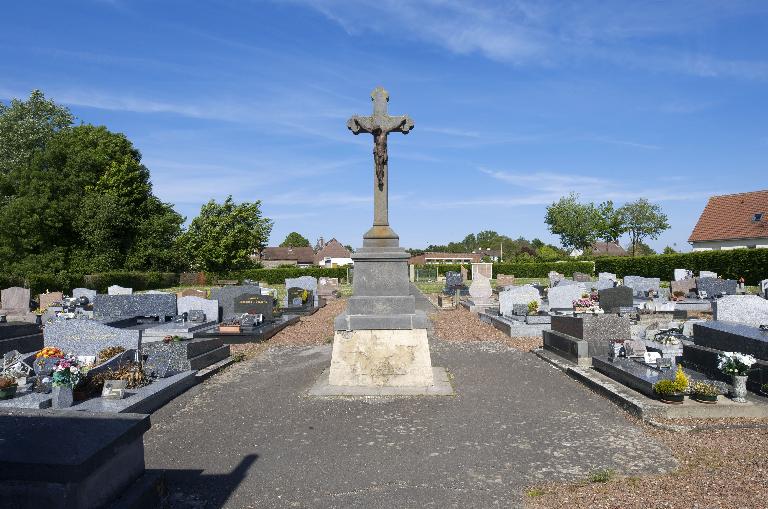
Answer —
(525, 269)
(279, 275)
(751, 264)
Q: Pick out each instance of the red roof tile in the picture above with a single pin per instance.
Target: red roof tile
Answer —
(731, 216)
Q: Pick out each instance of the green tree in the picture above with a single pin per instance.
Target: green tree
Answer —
(225, 236)
(641, 249)
(25, 128)
(575, 223)
(643, 219)
(295, 239)
(548, 253)
(610, 223)
(669, 250)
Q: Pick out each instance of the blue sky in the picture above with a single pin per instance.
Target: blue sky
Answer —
(516, 103)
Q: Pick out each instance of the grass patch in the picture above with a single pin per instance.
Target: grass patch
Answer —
(535, 492)
(602, 475)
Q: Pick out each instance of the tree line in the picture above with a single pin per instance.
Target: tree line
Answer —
(77, 198)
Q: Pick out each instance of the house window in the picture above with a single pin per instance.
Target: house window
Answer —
(758, 217)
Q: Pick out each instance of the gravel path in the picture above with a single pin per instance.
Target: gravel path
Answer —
(461, 325)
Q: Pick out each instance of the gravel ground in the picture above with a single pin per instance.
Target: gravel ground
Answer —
(461, 325)
(316, 329)
(721, 465)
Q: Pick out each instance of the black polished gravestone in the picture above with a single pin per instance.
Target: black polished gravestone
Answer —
(455, 282)
(255, 304)
(612, 300)
(300, 298)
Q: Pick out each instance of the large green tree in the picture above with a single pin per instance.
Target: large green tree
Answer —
(79, 199)
(643, 219)
(225, 236)
(610, 223)
(295, 239)
(574, 222)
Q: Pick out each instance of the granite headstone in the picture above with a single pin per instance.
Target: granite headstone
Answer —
(642, 285)
(88, 337)
(141, 304)
(307, 283)
(716, 287)
(562, 297)
(746, 309)
(119, 290)
(209, 307)
(515, 296)
(254, 304)
(227, 296)
(614, 299)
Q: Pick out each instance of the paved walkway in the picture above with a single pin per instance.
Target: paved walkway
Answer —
(248, 437)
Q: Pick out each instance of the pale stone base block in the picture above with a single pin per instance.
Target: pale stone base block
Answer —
(441, 387)
(381, 358)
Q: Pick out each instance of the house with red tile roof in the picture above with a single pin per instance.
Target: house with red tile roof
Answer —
(732, 221)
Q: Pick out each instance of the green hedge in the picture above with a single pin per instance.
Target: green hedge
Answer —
(751, 264)
(279, 275)
(523, 269)
(136, 280)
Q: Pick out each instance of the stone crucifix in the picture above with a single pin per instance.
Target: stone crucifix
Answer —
(380, 124)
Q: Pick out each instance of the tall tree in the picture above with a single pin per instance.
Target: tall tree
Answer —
(642, 220)
(225, 236)
(295, 239)
(610, 224)
(575, 223)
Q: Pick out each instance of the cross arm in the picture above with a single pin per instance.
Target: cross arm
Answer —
(385, 124)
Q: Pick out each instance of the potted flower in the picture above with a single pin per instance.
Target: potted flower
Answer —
(704, 392)
(672, 391)
(8, 387)
(533, 308)
(43, 364)
(66, 375)
(737, 365)
(586, 304)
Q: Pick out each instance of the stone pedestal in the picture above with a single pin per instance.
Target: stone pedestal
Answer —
(381, 358)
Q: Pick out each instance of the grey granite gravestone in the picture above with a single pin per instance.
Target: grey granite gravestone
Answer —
(554, 277)
(613, 299)
(209, 307)
(567, 282)
(746, 309)
(764, 288)
(593, 327)
(88, 337)
(182, 329)
(197, 315)
(562, 296)
(681, 274)
(517, 295)
(603, 283)
(119, 290)
(158, 363)
(305, 282)
(327, 287)
(716, 286)
(581, 277)
(299, 298)
(141, 304)
(707, 273)
(15, 300)
(607, 275)
(642, 285)
(454, 282)
(254, 304)
(227, 296)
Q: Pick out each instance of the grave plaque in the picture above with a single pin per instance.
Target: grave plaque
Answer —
(453, 279)
(196, 315)
(114, 389)
(255, 304)
(296, 297)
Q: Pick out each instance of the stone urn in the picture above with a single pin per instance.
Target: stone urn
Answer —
(62, 397)
(739, 390)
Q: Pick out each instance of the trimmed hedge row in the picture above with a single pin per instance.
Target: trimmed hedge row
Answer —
(136, 280)
(751, 264)
(523, 269)
(279, 275)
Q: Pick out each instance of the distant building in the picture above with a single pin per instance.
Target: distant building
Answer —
(732, 221)
(493, 254)
(332, 253)
(299, 256)
(603, 249)
(431, 258)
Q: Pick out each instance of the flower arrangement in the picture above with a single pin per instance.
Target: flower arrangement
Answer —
(533, 308)
(49, 352)
(735, 363)
(67, 373)
(172, 339)
(705, 389)
(304, 296)
(677, 387)
(587, 304)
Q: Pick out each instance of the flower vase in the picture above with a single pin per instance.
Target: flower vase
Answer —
(62, 397)
(739, 391)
